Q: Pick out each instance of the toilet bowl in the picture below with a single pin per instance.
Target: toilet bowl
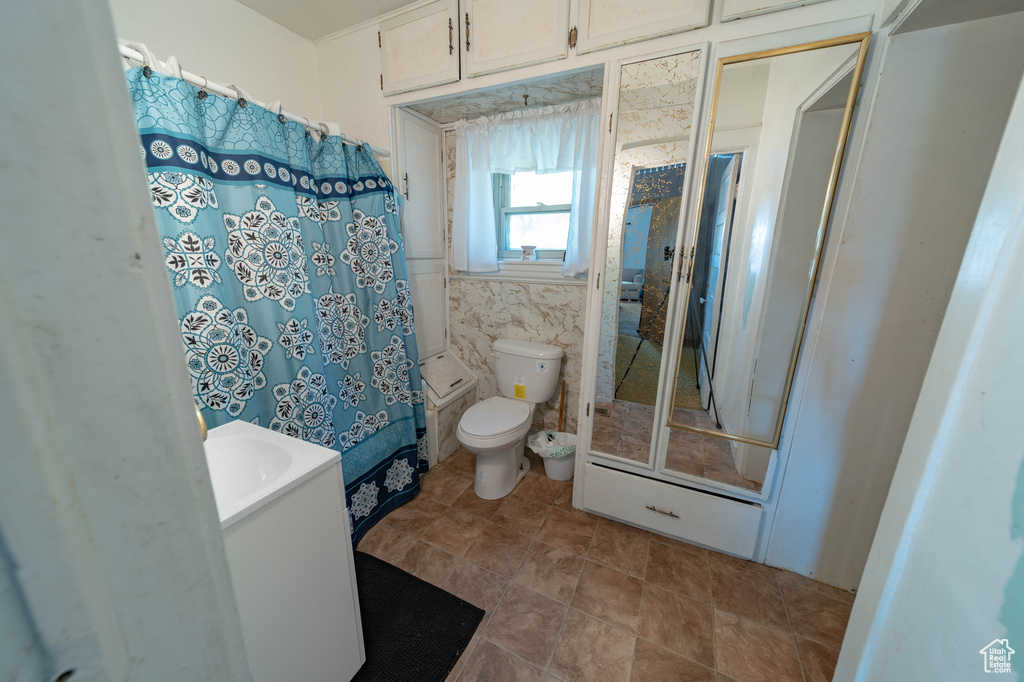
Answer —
(495, 429)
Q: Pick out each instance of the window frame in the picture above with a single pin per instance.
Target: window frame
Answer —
(502, 186)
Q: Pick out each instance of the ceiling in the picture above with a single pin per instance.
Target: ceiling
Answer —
(313, 19)
(558, 89)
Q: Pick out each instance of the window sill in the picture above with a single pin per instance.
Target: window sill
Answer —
(531, 272)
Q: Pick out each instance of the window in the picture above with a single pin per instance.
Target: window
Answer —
(533, 209)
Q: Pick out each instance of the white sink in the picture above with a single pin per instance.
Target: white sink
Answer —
(251, 466)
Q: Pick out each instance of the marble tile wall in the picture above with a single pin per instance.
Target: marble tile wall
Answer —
(484, 310)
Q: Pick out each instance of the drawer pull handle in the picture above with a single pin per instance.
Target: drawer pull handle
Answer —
(666, 513)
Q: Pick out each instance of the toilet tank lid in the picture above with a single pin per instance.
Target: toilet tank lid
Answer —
(528, 349)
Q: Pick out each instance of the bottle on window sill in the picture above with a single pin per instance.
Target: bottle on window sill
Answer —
(529, 252)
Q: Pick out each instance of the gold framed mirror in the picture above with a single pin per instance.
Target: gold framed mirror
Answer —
(777, 133)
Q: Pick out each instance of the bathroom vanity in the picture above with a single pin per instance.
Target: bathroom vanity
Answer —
(282, 508)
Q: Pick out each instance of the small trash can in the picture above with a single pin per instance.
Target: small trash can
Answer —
(558, 450)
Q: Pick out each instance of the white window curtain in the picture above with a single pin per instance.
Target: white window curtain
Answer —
(545, 140)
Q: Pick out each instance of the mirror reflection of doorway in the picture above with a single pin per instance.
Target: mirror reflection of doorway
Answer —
(648, 246)
(623, 427)
(710, 271)
(691, 452)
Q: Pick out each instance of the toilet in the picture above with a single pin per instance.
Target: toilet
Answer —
(495, 429)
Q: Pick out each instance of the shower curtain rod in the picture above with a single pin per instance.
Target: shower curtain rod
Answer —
(140, 53)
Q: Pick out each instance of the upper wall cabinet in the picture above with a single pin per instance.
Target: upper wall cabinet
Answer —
(737, 9)
(419, 47)
(500, 35)
(607, 23)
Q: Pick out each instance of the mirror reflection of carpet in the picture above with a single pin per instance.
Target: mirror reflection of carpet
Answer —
(641, 384)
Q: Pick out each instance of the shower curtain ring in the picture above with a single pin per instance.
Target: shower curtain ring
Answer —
(242, 101)
(202, 94)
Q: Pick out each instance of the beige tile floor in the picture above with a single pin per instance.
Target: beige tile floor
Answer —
(624, 429)
(572, 596)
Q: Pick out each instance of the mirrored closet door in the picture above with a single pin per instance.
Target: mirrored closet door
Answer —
(695, 368)
(778, 124)
(656, 102)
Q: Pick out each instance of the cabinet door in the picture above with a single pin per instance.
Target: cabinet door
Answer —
(421, 181)
(500, 35)
(737, 9)
(430, 305)
(606, 23)
(418, 48)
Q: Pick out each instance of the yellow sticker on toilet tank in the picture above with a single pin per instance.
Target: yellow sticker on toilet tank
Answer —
(520, 390)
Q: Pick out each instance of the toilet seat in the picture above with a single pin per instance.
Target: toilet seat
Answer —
(495, 418)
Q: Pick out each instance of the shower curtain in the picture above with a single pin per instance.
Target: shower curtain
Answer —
(290, 283)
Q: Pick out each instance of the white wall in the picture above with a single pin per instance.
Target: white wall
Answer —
(935, 124)
(946, 575)
(228, 43)
(349, 79)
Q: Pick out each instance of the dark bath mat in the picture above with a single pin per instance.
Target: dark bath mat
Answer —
(411, 629)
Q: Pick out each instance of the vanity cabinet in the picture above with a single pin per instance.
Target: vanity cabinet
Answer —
(606, 23)
(294, 580)
(506, 35)
(419, 48)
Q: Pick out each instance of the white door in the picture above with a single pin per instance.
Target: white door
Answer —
(500, 35)
(606, 23)
(421, 181)
(427, 282)
(723, 219)
(418, 49)
(113, 564)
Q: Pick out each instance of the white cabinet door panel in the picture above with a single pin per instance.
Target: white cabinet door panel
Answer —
(606, 23)
(737, 9)
(504, 35)
(418, 49)
(429, 304)
(421, 181)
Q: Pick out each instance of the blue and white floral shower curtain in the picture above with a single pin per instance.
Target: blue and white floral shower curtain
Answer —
(290, 283)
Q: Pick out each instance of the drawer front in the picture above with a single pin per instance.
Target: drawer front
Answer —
(690, 515)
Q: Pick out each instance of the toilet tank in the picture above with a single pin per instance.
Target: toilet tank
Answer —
(526, 370)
